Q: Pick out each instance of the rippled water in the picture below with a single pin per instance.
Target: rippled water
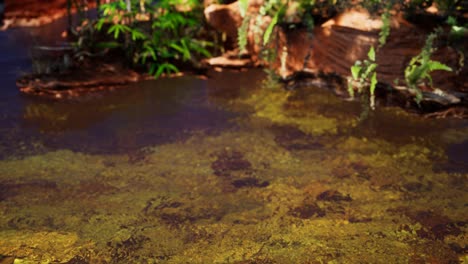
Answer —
(223, 170)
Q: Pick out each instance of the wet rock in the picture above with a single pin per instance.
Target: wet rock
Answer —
(458, 249)
(31, 13)
(333, 47)
(39, 247)
(291, 138)
(342, 172)
(333, 196)
(81, 80)
(29, 221)
(434, 252)
(225, 18)
(228, 162)
(78, 260)
(228, 62)
(162, 203)
(8, 190)
(442, 230)
(258, 260)
(175, 213)
(347, 170)
(138, 156)
(436, 226)
(250, 182)
(93, 188)
(452, 112)
(127, 250)
(6, 260)
(307, 209)
(415, 187)
(359, 220)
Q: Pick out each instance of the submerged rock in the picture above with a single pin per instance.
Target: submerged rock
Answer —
(307, 210)
(228, 162)
(333, 196)
(39, 247)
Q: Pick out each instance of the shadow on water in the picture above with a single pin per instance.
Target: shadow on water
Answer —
(148, 113)
(390, 124)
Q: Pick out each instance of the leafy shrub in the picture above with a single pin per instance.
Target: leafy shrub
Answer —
(419, 68)
(156, 33)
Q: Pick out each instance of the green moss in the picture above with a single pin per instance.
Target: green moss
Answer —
(170, 205)
(271, 105)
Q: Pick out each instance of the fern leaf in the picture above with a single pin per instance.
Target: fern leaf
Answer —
(243, 6)
(371, 54)
(436, 65)
(269, 30)
(355, 70)
(373, 83)
(242, 34)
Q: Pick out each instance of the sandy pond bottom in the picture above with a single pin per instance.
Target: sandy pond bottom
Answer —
(292, 178)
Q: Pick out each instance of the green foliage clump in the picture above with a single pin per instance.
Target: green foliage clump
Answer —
(419, 68)
(364, 72)
(160, 34)
(273, 8)
(385, 30)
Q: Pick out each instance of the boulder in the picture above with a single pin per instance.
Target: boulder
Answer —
(333, 47)
(33, 13)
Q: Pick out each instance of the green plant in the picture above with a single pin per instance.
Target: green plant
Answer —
(385, 30)
(457, 31)
(420, 67)
(167, 38)
(87, 44)
(449, 7)
(273, 8)
(271, 26)
(364, 73)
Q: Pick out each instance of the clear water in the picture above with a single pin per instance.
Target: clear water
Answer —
(222, 170)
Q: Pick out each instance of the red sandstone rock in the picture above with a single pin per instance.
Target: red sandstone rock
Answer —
(33, 13)
(227, 19)
(334, 47)
(83, 80)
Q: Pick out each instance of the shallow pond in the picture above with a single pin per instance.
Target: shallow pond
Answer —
(223, 170)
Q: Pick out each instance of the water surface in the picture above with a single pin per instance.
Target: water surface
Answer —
(223, 170)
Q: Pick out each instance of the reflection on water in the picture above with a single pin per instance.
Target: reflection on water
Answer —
(144, 114)
(220, 171)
